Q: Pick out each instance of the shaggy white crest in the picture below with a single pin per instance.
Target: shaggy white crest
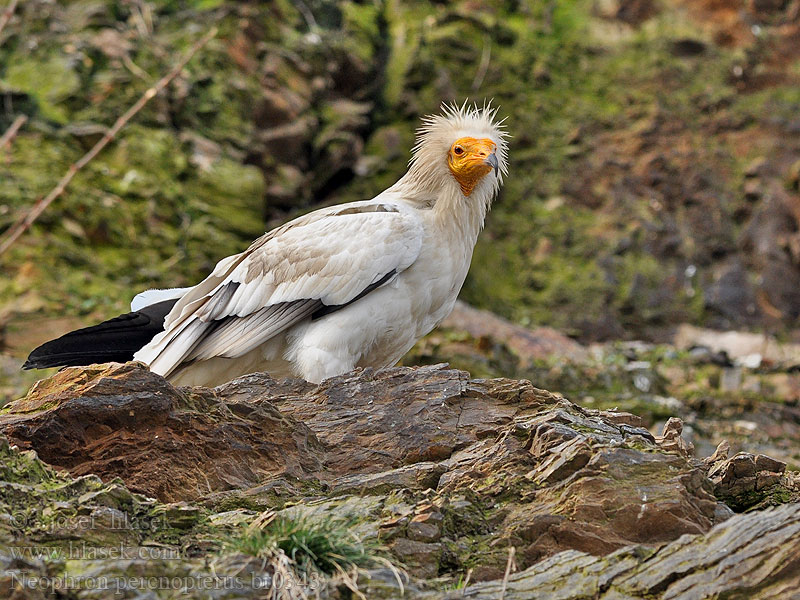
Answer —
(428, 168)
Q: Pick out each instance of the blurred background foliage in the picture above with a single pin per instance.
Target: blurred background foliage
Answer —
(655, 158)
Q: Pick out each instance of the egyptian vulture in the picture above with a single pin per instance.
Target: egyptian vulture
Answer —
(347, 286)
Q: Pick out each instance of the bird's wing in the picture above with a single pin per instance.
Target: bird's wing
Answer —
(309, 266)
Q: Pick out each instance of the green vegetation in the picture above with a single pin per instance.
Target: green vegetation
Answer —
(312, 542)
(758, 499)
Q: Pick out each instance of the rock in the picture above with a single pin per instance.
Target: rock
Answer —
(746, 480)
(422, 557)
(423, 530)
(387, 584)
(238, 517)
(737, 344)
(748, 556)
(564, 460)
(446, 471)
(15, 572)
(622, 418)
(527, 344)
(671, 440)
(765, 463)
(720, 454)
(418, 476)
(551, 475)
(123, 420)
(179, 514)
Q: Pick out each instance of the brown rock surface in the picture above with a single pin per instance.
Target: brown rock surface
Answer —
(670, 439)
(527, 344)
(535, 470)
(751, 556)
(452, 475)
(175, 444)
(745, 481)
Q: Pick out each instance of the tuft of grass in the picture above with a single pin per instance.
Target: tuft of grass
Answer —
(459, 584)
(312, 543)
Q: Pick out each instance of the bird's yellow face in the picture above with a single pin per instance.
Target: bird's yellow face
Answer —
(470, 160)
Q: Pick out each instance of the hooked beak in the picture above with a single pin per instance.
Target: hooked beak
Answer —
(492, 162)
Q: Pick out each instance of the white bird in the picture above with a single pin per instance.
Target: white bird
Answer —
(347, 286)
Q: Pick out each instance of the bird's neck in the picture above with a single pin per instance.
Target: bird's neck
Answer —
(464, 215)
(445, 205)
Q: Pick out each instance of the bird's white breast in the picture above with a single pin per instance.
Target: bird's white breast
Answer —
(380, 328)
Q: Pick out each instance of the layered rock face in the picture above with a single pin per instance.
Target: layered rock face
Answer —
(455, 477)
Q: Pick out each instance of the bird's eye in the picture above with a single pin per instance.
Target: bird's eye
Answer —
(458, 151)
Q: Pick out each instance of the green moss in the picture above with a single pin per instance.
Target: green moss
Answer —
(471, 552)
(759, 499)
(232, 194)
(22, 468)
(362, 21)
(50, 80)
(236, 501)
(466, 520)
(404, 39)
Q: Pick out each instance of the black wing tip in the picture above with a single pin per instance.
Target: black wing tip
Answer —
(36, 359)
(114, 340)
(41, 362)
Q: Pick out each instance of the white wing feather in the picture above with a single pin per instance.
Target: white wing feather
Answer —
(149, 297)
(328, 258)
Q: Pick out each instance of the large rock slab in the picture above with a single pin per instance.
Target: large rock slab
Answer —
(480, 464)
(752, 556)
(174, 444)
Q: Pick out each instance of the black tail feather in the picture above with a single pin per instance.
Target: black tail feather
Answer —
(115, 340)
